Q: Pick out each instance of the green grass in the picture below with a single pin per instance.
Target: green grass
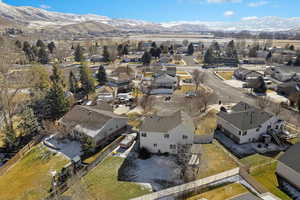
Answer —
(102, 183)
(266, 176)
(30, 178)
(225, 75)
(222, 193)
(256, 160)
(214, 160)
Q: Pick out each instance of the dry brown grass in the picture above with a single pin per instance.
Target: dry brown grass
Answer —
(207, 124)
(214, 160)
(30, 178)
(226, 75)
(222, 193)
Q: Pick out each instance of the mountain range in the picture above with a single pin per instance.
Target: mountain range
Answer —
(37, 18)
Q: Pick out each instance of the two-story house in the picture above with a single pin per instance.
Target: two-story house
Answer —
(245, 123)
(166, 134)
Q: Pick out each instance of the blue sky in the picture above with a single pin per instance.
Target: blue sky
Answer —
(171, 10)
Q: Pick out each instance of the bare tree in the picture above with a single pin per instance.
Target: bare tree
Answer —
(198, 78)
(8, 93)
(263, 102)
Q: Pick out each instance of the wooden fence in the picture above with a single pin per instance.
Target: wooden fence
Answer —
(76, 177)
(18, 156)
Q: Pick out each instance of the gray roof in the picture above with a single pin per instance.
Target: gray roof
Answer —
(247, 196)
(164, 124)
(291, 157)
(245, 117)
(87, 118)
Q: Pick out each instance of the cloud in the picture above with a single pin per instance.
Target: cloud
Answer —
(229, 13)
(249, 18)
(43, 6)
(258, 3)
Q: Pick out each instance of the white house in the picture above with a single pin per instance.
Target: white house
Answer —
(245, 123)
(166, 134)
(92, 124)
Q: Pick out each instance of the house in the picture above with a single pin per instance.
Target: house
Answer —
(246, 74)
(284, 73)
(163, 83)
(245, 123)
(106, 93)
(89, 124)
(255, 61)
(167, 134)
(288, 169)
(289, 88)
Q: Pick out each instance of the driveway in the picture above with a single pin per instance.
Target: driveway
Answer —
(189, 60)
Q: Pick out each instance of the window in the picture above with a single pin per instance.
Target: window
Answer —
(155, 145)
(245, 133)
(257, 129)
(240, 132)
(172, 146)
(184, 137)
(166, 136)
(276, 127)
(144, 134)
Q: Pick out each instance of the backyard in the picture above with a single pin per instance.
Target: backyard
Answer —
(222, 192)
(207, 124)
(103, 183)
(263, 169)
(31, 176)
(214, 160)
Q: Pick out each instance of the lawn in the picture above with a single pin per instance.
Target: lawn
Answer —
(225, 75)
(214, 160)
(207, 124)
(256, 160)
(30, 178)
(102, 183)
(222, 193)
(266, 176)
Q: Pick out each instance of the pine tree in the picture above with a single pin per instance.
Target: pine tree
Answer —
(40, 43)
(153, 45)
(51, 47)
(190, 50)
(208, 57)
(120, 50)
(125, 50)
(29, 123)
(86, 79)
(106, 56)
(18, 44)
(101, 75)
(73, 82)
(56, 102)
(43, 56)
(78, 57)
(269, 56)
(146, 58)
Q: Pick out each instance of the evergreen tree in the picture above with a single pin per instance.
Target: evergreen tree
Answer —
(86, 79)
(153, 45)
(120, 50)
(190, 50)
(292, 48)
(56, 102)
(18, 44)
(106, 56)
(79, 57)
(101, 75)
(208, 57)
(43, 56)
(29, 123)
(231, 50)
(40, 44)
(73, 83)
(269, 56)
(153, 52)
(146, 58)
(125, 50)
(35, 51)
(51, 47)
